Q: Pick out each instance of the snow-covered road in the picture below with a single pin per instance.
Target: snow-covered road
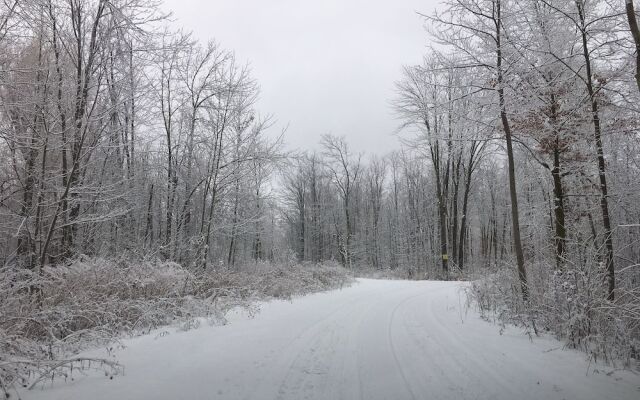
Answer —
(375, 340)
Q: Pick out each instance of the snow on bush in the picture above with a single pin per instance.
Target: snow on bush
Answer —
(47, 317)
(570, 304)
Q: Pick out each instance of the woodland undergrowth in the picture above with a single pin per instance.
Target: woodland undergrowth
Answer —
(48, 318)
(569, 304)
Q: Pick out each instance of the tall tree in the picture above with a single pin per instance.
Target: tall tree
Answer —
(345, 168)
(635, 33)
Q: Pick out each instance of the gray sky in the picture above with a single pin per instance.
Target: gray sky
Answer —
(325, 66)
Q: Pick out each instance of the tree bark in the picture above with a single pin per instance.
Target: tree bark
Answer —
(635, 33)
(465, 204)
(597, 130)
(515, 215)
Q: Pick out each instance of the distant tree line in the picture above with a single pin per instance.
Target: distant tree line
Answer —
(520, 146)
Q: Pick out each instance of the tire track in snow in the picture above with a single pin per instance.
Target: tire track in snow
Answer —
(291, 363)
(393, 348)
(474, 381)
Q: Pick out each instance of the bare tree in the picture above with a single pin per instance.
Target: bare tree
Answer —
(345, 168)
(486, 22)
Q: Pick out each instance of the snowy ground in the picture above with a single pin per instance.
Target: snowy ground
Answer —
(376, 340)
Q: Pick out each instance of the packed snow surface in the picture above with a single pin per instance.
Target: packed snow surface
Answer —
(378, 339)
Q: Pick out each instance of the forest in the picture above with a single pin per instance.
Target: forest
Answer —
(139, 180)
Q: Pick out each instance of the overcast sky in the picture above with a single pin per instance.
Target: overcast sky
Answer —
(324, 66)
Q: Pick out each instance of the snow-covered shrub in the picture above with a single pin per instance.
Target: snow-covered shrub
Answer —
(498, 299)
(408, 272)
(266, 280)
(570, 304)
(47, 317)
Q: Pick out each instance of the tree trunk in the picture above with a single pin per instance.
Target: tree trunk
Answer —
(148, 230)
(515, 215)
(231, 257)
(463, 221)
(301, 216)
(316, 231)
(442, 217)
(347, 247)
(635, 32)
(454, 211)
(558, 203)
(604, 202)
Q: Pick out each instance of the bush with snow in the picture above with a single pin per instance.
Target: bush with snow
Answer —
(570, 304)
(47, 317)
